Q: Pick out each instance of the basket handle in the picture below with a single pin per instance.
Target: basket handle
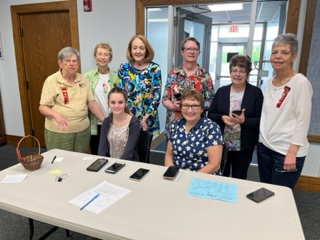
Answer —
(17, 149)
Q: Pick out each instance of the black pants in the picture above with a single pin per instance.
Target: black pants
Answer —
(94, 141)
(238, 163)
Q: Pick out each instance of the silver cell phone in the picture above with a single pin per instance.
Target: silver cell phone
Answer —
(260, 195)
(115, 167)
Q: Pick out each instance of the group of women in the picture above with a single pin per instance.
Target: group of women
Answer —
(199, 124)
(120, 104)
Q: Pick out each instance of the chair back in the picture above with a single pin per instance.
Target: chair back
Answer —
(143, 145)
(220, 172)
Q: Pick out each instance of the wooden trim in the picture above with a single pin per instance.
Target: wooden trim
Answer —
(291, 21)
(292, 16)
(314, 138)
(13, 140)
(16, 11)
(308, 183)
(139, 17)
(307, 36)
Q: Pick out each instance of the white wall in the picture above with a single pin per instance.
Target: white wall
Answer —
(112, 21)
(312, 163)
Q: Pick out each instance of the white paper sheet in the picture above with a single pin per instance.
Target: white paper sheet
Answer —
(14, 178)
(108, 195)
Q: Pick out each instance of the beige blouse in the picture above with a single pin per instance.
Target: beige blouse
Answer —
(117, 138)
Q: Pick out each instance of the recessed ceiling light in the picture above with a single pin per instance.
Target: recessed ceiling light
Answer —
(154, 9)
(225, 7)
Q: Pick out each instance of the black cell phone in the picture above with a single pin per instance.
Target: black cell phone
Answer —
(178, 96)
(115, 167)
(171, 172)
(97, 164)
(238, 112)
(139, 174)
(260, 195)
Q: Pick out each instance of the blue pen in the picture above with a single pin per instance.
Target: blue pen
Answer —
(97, 195)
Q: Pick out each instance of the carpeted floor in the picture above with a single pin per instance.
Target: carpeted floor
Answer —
(13, 227)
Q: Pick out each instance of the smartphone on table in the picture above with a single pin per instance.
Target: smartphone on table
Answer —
(260, 195)
(139, 174)
(171, 172)
(97, 164)
(115, 167)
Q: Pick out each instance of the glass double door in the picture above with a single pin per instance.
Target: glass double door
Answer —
(221, 72)
(194, 25)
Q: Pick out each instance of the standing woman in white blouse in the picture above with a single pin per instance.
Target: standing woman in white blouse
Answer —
(285, 118)
(101, 80)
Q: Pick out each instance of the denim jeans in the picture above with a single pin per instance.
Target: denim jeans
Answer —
(269, 161)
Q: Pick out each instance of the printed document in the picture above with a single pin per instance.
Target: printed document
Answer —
(108, 194)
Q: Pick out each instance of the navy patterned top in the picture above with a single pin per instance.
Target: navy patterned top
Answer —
(190, 149)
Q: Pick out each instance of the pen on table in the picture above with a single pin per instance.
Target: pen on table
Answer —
(97, 195)
(54, 158)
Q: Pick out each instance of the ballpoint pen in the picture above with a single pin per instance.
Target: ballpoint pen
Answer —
(54, 158)
(97, 195)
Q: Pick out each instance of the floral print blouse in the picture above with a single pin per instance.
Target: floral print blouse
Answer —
(144, 91)
(178, 82)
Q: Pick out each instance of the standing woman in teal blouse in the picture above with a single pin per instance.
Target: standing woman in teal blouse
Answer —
(140, 77)
(101, 81)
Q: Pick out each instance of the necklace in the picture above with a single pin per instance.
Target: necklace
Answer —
(278, 83)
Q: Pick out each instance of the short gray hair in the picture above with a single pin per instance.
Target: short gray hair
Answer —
(193, 39)
(67, 51)
(287, 38)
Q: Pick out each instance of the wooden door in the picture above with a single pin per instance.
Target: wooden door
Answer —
(42, 34)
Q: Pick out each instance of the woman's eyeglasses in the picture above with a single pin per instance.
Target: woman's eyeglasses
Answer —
(191, 50)
(241, 71)
(193, 107)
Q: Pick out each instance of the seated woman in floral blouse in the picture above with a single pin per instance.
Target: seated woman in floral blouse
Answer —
(120, 131)
(195, 142)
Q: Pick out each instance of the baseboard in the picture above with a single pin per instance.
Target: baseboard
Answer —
(308, 183)
(13, 140)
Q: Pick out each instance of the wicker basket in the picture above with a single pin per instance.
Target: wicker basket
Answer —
(30, 161)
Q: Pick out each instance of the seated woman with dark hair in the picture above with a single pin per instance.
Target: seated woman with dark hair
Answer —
(120, 131)
(195, 142)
